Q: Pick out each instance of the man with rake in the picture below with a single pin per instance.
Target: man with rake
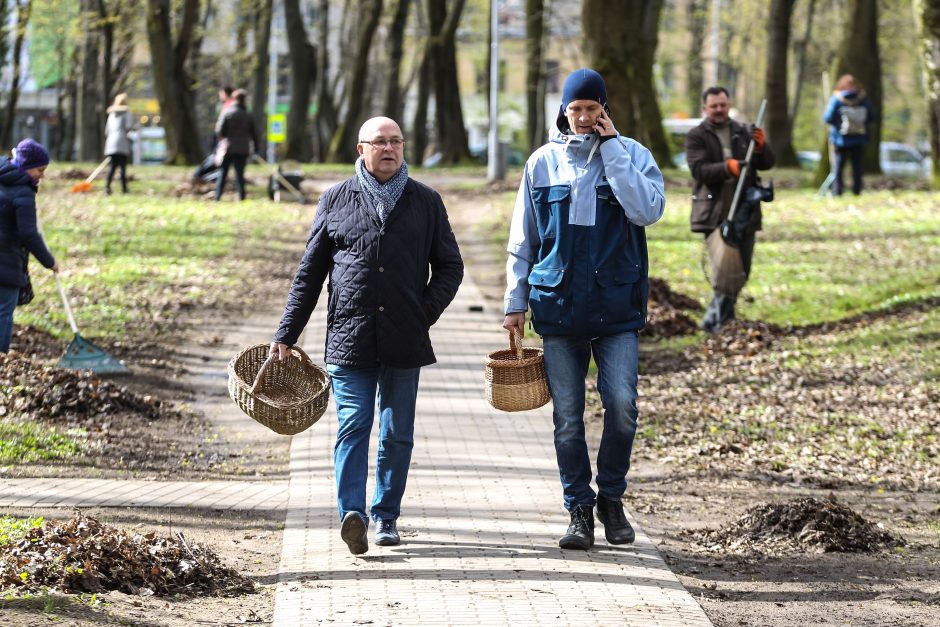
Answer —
(716, 151)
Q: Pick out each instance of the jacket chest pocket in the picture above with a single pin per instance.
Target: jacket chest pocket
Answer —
(551, 209)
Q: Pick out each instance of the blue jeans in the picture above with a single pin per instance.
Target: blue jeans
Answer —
(354, 391)
(9, 297)
(566, 364)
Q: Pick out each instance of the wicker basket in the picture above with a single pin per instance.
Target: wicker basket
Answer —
(285, 396)
(515, 378)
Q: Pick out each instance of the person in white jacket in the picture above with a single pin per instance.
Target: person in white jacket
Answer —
(578, 260)
(117, 145)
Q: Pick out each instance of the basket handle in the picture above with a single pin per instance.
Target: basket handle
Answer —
(267, 362)
(515, 343)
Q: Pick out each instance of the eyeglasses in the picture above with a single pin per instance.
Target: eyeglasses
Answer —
(382, 144)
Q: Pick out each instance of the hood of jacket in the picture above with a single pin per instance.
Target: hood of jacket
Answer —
(11, 174)
(851, 96)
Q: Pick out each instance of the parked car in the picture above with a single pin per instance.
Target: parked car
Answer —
(895, 159)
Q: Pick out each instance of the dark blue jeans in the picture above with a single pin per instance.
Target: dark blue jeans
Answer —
(566, 364)
(354, 391)
(854, 155)
(9, 297)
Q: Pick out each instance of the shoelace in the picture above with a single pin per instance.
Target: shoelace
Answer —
(617, 514)
(580, 520)
(387, 526)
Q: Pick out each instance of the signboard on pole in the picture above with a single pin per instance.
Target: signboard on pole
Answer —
(277, 127)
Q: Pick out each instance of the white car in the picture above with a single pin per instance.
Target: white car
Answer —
(895, 159)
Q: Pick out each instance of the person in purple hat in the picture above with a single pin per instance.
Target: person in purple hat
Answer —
(578, 261)
(19, 233)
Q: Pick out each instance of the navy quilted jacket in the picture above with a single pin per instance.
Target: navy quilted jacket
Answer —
(387, 284)
(19, 234)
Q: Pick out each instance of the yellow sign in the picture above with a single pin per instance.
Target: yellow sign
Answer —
(277, 127)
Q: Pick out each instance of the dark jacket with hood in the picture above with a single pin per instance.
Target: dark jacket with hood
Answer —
(833, 117)
(19, 232)
(388, 283)
(713, 187)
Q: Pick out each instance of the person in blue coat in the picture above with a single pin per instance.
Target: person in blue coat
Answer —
(19, 233)
(848, 114)
(578, 261)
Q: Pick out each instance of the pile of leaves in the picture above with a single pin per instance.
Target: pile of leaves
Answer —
(74, 398)
(666, 315)
(742, 337)
(83, 555)
(805, 525)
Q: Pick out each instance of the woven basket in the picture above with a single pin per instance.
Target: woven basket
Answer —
(515, 378)
(285, 396)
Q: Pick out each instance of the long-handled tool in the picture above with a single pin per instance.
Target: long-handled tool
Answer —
(727, 267)
(82, 354)
(85, 186)
(283, 181)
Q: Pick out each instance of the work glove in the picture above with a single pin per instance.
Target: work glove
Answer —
(759, 139)
(734, 167)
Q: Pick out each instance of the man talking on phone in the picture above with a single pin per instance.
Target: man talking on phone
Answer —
(577, 259)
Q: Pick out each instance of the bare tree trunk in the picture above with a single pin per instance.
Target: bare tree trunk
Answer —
(452, 133)
(326, 119)
(799, 51)
(23, 9)
(89, 103)
(929, 12)
(419, 132)
(622, 51)
(696, 19)
(777, 123)
(535, 74)
(172, 81)
(393, 92)
(259, 90)
(343, 144)
(303, 60)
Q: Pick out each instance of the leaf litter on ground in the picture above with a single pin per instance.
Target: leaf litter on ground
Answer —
(803, 525)
(83, 555)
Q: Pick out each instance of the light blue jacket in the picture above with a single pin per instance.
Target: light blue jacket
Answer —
(577, 243)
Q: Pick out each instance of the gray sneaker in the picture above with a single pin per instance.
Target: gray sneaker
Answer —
(386, 533)
(354, 533)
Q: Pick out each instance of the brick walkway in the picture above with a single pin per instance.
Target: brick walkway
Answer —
(480, 519)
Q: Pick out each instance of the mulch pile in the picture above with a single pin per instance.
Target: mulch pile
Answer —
(742, 337)
(32, 391)
(84, 555)
(666, 316)
(805, 525)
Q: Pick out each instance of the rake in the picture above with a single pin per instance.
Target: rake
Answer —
(82, 354)
(85, 186)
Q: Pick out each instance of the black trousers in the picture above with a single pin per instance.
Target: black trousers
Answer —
(238, 163)
(118, 161)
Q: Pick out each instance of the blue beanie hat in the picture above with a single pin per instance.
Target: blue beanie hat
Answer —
(583, 84)
(30, 154)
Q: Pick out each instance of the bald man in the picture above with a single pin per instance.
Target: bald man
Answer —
(388, 248)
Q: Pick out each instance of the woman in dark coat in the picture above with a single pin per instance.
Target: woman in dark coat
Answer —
(237, 129)
(19, 232)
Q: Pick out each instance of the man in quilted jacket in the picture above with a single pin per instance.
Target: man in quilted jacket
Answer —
(578, 261)
(386, 244)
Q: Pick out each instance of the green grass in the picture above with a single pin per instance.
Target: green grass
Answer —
(12, 528)
(24, 442)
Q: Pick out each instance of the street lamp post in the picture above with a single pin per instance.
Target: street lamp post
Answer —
(494, 163)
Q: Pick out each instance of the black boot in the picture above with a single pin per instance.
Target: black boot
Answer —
(581, 530)
(617, 528)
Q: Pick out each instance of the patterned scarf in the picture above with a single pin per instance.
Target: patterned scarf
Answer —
(384, 196)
